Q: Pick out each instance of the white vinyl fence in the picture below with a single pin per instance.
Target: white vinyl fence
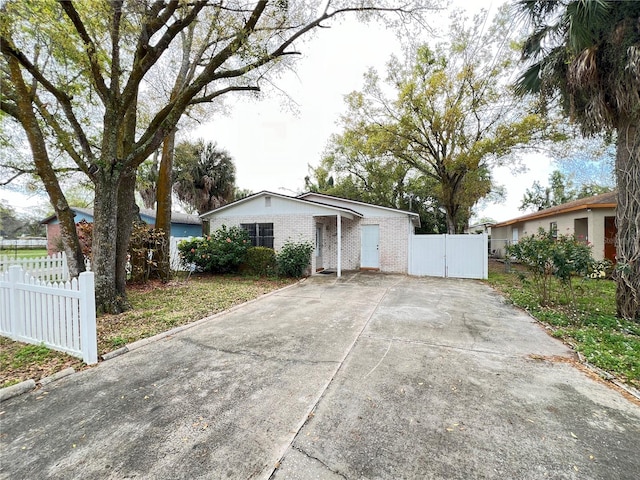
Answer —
(174, 254)
(53, 268)
(62, 316)
(456, 256)
(19, 243)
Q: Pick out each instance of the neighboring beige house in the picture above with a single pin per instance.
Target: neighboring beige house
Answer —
(347, 235)
(590, 219)
(477, 228)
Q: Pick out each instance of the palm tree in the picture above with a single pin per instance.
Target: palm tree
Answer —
(205, 176)
(586, 55)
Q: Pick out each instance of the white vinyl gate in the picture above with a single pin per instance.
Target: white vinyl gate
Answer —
(457, 256)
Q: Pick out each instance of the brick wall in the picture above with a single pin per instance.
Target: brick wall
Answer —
(394, 243)
(53, 232)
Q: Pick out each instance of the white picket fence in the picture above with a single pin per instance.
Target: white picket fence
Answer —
(16, 243)
(62, 316)
(53, 268)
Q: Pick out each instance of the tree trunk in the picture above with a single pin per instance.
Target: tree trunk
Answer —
(148, 193)
(628, 221)
(451, 209)
(451, 224)
(163, 212)
(27, 118)
(128, 212)
(105, 228)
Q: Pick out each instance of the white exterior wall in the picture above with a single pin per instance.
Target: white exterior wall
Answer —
(350, 243)
(394, 237)
(565, 224)
(394, 243)
(596, 233)
(500, 237)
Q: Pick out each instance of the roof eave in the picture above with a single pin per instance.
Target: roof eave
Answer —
(546, 214)
(287, 197)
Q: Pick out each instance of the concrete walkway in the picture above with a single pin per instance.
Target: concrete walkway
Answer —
(368, 376)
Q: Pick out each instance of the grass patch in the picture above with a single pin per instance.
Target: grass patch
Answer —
(156, 308)
(20, 362)
(24, 253)
(590, 326)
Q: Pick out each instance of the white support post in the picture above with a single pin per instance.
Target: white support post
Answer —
(485, 256)
(88, 335)
(339, 226)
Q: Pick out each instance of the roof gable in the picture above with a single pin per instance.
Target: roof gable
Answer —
(363, 206)
(257, 201)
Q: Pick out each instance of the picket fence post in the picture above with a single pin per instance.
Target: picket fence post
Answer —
(65, 267)
(15, 272)
(89, 338)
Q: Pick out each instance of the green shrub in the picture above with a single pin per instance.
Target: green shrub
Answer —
(546, 257)
(221, 252)
(294, 258)
(260, 261)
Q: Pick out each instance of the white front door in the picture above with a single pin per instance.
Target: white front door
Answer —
(369, 255)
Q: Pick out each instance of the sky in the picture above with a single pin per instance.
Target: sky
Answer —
(273, 144)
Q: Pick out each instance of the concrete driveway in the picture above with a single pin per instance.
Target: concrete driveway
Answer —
(370, 376)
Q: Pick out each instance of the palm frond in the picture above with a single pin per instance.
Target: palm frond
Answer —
(529, 81)
(583, 18)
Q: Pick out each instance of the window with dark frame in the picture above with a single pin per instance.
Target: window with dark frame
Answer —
(553, 228)
(261, 234)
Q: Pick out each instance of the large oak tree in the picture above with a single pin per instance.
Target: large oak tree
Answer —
(450, 114)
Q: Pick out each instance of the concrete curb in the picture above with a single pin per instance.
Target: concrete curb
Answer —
(604, 375)
(57, 376)
(17, 389)
(28, 385)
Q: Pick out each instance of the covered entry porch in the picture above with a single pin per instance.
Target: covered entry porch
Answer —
(334, 242)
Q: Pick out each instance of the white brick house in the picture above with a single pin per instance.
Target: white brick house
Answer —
(347, 234)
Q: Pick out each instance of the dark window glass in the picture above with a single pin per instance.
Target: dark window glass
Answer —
(250, 228)
(265, 235)
(261, 234)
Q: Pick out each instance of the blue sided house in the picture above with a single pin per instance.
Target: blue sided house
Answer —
(182, 225)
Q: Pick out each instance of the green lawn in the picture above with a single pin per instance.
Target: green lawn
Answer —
(23, 253)
(156, 308)
(590, 326)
